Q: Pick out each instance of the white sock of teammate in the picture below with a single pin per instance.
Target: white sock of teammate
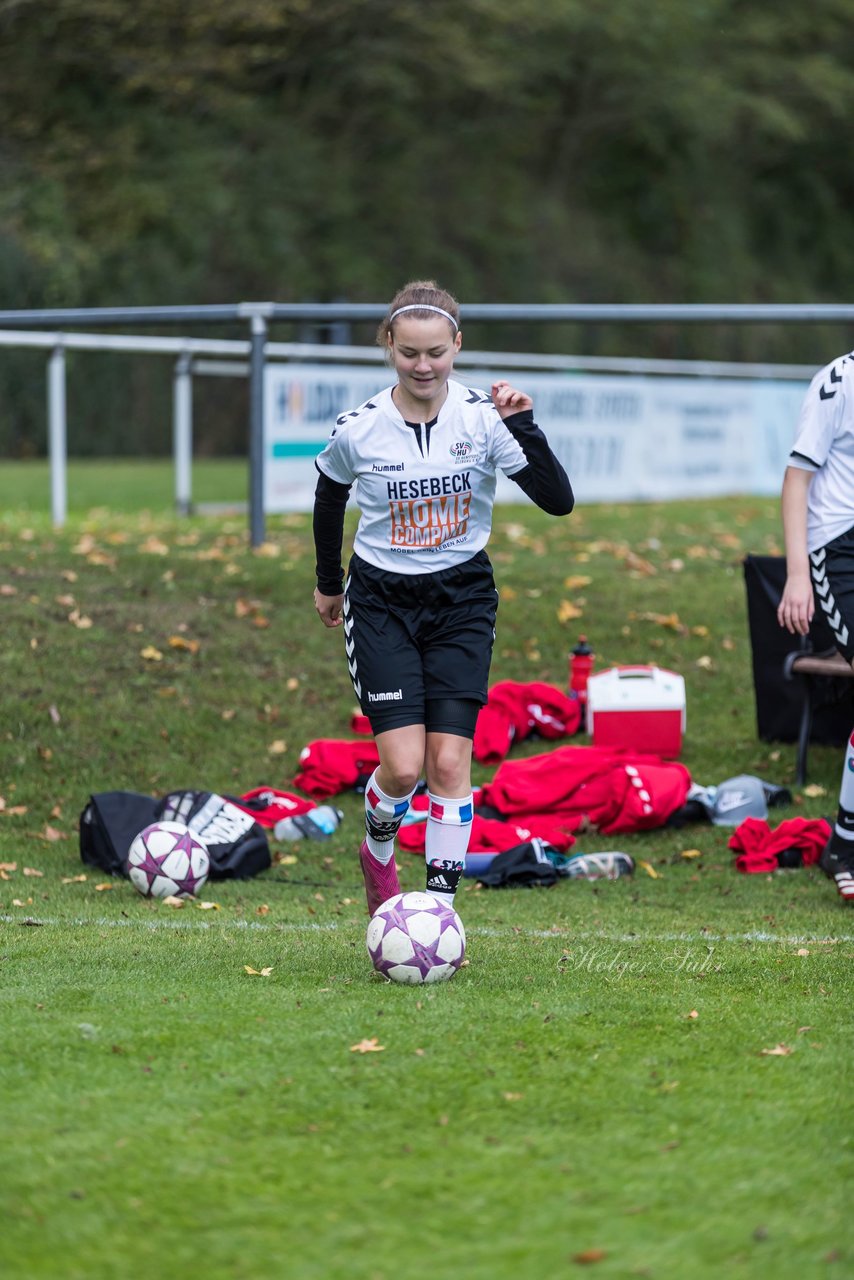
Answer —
(448, 833)
(383, 816)
(844, 828)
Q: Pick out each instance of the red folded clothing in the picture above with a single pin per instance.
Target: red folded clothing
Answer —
(268, 806)
(491, 835)
(759, 847)
(613, 791)
(514, 711)
(330, 765)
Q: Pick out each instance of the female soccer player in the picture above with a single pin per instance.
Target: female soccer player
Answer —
(818, 523)
(419, 605)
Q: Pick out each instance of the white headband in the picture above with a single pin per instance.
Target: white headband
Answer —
(423, 306)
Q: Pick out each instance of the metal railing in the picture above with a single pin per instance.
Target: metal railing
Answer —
(253, 353)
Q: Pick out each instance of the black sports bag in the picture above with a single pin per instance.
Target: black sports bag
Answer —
(236, 843)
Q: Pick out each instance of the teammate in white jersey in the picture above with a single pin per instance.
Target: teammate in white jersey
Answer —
(419, 604)
(818, 522)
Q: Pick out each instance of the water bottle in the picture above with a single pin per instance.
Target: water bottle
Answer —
(316, 824)
(580, 666)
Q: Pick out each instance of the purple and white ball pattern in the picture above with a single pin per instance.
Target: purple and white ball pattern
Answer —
(168, 859)
(415, 938)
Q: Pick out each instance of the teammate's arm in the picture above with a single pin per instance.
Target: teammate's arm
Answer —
(796, 608)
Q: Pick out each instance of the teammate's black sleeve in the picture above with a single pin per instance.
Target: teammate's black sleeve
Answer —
(543, 479)
(330, 503)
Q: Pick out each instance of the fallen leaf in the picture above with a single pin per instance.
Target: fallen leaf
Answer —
(51, 833)
(16, 902)
(589, 1255)
(636, 564)
(172, 901)
(78, 619)
(367, 1046)
(649, 869)
(512, 1097)
(691, 853)
(801, 951)
(74, 879)
(150, 654)
(8, 866)
(779, 1051)
(258, 973)
(31, 871)
(263, 910)
(292, 683)
(692, 1014)
(154, 547)
(181, 642)
(813, 789)
(277, 748)
(104, 886)
(208, 906)
(705, 663)
(566, 611)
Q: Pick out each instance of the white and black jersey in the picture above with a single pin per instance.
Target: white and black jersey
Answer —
(426, 490)
(420, 601)
(824, 444)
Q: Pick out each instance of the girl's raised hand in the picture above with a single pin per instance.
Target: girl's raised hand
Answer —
(508, 400)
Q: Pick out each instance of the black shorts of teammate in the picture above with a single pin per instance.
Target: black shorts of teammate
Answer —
(832, 570)
(419, 646)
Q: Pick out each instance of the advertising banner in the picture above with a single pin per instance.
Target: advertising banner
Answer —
(621, 438)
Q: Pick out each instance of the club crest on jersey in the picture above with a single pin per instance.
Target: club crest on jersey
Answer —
(461, 450)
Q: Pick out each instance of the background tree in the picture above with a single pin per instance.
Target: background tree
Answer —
(518, 150)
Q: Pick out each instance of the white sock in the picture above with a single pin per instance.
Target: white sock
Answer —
(844, 827)
(383, 816)
(447, 839)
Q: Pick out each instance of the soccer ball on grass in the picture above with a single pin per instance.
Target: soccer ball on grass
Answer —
(415, 938)
(168, 859)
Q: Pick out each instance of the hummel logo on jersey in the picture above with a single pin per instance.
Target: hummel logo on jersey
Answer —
(388, 466)
(392, 695)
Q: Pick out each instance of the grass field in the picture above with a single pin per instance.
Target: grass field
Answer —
(649, 1077)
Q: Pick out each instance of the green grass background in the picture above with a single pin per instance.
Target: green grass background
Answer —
(589, 1092)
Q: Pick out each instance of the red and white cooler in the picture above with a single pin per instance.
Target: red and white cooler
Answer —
(641, 708)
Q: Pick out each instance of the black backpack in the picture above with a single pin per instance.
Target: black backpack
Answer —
(236, 843)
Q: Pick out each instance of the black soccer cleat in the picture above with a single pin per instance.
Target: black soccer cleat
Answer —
(837, 862)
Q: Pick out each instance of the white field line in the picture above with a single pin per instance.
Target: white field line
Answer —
(486, 931)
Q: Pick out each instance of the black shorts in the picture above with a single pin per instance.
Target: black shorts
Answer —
(412, 639)
(832, 570)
